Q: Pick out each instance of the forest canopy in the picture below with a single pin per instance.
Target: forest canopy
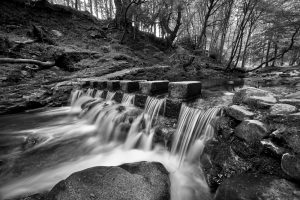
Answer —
(243, 34)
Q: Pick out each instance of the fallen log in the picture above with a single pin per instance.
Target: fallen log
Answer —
(41, 64)
(25, 42)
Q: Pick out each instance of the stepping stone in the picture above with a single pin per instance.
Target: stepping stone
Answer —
(129, 86)
(113, 85)
(154, 87)
(185, 89)
(99, 84)
(84, 84)
(239, 112)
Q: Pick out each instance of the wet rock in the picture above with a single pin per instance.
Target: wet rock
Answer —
(223, 126)
(129, 181)
(254, 97)
(282, 109)
(185, 89)
(290, 164)
(173, 107)
(118, 97)
(163, 136)
(140, 100)
(239, 112)
(270, 148)
(154, 87)
(122, 131)
(31, 141)
(289, 138)
(221, 162)
(251, 131)
(262, 187)
(61, 93)
(245, 150)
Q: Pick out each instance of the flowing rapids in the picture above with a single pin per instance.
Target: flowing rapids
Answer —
(111, 134)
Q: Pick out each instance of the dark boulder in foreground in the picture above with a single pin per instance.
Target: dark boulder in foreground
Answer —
(262, 187)
(136, 181)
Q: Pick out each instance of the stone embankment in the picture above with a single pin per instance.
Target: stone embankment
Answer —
(255, 153)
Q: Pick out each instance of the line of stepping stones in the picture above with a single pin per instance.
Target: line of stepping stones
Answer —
(178, 92)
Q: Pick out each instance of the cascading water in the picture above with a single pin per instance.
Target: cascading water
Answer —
(194, 124)
(152, 108)
(110, 95)
(75, 95)
(99, 94)
(128, 99)
(110, 134)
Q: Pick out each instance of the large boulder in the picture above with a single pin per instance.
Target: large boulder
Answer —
(251, 131)
(290, 164)
(254, 97)
(282, 109)
(289, 137)
(262, 187)
(136, 181)
(239, 112)
(220, 162)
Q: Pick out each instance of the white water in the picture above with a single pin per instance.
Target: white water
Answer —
(128, 99)
(101, 122)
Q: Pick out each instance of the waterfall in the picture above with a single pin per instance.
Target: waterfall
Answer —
(75, 95)
(110, 95)
(153, 107)
(90, 92)
(99, 94)
(110, 134)
(128, 99)
(194, 124)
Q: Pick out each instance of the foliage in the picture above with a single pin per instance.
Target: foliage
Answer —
(240, 33)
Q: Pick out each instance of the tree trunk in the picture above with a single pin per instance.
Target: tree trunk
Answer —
(96, 8)
(268, 53)
(41, 64)
(91, 6)
(76, 4)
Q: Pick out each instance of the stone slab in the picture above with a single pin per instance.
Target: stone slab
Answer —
(129, 86)
(185, 89)
(154, 87)
(113, 85)
(140, 100)
(100, 85)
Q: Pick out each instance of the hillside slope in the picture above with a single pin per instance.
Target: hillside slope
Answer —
(81, 46)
